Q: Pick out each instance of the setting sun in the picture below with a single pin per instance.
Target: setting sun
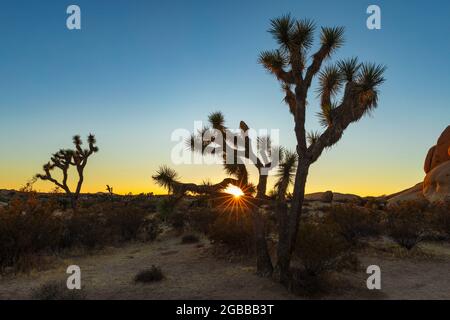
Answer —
(235, 191)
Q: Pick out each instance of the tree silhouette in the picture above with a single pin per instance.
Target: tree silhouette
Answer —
(348, 90)
(65, 158)
(263, 161)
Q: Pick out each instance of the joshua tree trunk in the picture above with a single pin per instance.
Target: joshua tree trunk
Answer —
(262, 186)
(264, 266)
(263, 262)
(288, 224)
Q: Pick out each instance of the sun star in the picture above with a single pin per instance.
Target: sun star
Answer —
(234, 190)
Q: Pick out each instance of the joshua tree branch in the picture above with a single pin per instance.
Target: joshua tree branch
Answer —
(349, 111)
(181, 188)
(318, 58)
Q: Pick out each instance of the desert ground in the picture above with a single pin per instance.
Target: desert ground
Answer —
(198, 271)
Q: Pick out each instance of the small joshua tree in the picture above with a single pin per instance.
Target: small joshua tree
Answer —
(65, 158)
(109, 189)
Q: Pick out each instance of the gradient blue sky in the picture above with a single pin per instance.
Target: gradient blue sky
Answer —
(140, 69)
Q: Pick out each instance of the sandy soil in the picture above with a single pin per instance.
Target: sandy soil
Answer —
(193, 272)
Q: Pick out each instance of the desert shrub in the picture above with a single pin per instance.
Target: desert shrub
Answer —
(149, 275)
(353, 222)
(166, 207)
(125, 222)
(320, 250)
(406, 223)
(440, 218)
(201, 220)
(177, 220)
(189, 238)
(149, 230)
(26, 227)
(374, 203)
(55, 290)
(235, 230)
(30, 227)
(83, 229)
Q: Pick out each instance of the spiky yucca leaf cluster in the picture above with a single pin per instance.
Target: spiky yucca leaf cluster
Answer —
(295, 38)
(166, 177)
(285, 172)
(367, 77)
(312, 137)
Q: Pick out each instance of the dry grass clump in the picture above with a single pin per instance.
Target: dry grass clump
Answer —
(153, 274)
(189, 238)
(56, 290)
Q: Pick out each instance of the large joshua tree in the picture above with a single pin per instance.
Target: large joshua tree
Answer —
(348, 90)
(237, 147)
(65, 158)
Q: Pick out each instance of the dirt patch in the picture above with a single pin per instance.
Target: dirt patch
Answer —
(194, 272)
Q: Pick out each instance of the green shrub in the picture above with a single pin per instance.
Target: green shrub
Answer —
(153, 274)
(406, 223)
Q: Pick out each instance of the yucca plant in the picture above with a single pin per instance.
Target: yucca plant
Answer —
(348, 90)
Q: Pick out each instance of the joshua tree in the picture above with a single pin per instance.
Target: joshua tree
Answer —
(65, 158)
(109, 189)
(263, 161)
(359, 95)
(208, 136)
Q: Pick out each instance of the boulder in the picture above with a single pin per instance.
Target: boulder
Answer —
(436, 185)
(439, 153)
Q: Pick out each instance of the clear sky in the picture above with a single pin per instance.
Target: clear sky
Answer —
(140, 69)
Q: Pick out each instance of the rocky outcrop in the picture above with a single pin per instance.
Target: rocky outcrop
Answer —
(412, 194)
(329, 196)
(439, 153)
(436, 186)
